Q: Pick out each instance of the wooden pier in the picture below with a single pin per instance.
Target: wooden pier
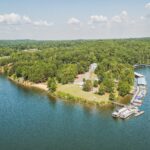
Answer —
(119, 104)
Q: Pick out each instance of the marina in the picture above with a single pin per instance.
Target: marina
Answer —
(140, 90)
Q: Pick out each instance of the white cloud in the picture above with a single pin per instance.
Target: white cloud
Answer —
(122, 17)
(11, 18)
(26, 19)
(117, 19)
(14, 19)
(98, 19)
(120, 25)
(147, 5)
(74, 21)
(142, 18)
(145, 18)
(124, 13)
(42, 23)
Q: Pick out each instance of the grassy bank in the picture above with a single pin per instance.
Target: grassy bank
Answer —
(77, 99)
(68, 92)
(76, 91)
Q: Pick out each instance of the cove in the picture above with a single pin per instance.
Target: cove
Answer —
(30, 120)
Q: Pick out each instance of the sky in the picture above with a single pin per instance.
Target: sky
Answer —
(74, 19)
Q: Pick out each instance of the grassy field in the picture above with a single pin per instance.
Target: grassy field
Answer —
(77, 91)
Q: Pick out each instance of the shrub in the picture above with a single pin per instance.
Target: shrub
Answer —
(87, 85)
(95, 84)
(111, 96)
(101, 90)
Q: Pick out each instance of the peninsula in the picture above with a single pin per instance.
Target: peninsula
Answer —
(93, 71)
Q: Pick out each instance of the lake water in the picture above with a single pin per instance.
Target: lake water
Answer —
(29, 120)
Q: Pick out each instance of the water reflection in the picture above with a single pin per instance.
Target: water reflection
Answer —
(52, 102)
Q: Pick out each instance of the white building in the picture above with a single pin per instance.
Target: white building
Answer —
(93, 67)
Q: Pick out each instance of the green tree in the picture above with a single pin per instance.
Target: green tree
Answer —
(67, 73)
(123, 88)
(6, 69)
(109, 84)
(101, 90)
(95, 84)
(87, 85)
(111, 96)
(51, 84)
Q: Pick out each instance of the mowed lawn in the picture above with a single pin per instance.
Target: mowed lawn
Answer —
(76, 91)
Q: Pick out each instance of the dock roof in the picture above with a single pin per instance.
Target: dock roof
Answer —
(138, 75)
(141, 81)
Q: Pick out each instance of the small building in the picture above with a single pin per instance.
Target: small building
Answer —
(141, 81)
(93, 67)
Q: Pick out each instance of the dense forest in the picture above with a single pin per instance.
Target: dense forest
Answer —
(62, 61)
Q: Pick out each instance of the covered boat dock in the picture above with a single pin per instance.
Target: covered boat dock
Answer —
(138, 75)
(141, 81)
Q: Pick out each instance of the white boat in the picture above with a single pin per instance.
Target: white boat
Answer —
(128, 112)
(138, 101)
(116, 114)
(139, 113)
(136, 104)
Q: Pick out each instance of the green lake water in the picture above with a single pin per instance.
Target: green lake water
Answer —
(29, 120)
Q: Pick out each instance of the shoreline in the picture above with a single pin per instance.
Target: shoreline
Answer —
(41, 86)
(60, 94)
(67, 96)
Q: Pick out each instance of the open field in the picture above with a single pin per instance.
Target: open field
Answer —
(77, 91)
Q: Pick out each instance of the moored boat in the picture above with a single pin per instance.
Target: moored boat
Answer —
(116, 113)
(139, 113)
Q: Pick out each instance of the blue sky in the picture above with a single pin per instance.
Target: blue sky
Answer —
(74, 19)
